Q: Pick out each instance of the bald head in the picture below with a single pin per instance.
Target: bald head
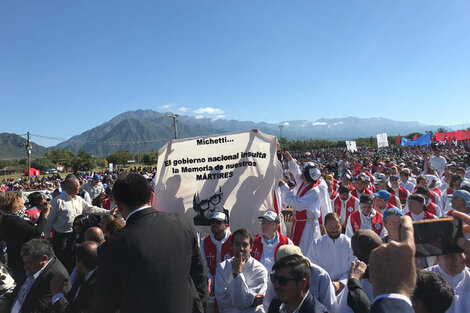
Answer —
(94, 234)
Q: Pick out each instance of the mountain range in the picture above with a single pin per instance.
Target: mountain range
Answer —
(148, 130)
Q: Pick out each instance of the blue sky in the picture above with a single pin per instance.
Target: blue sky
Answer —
(67, 66)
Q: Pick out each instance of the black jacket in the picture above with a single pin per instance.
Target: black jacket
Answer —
(310, 305)
(82, 303)
(152, 265)
(16, 231)
(39, 296)
(388, 305)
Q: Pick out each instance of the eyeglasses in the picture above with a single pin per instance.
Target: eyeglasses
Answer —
(281, 280)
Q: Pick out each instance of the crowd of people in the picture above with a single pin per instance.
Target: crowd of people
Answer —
(91, 242)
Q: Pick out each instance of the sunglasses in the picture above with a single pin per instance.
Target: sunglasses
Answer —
(281, 280)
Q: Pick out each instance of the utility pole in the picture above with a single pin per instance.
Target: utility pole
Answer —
(175, 124)
(29, 147)
(280, 130)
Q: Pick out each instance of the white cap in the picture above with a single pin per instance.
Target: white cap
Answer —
(220, 216)
(271, 216)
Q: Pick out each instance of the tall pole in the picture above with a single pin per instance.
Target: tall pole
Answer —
(280, 130)
(175, 124)
(28, 149)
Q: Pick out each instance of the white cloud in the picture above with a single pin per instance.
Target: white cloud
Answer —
(286, 124)
(184, 109)
(338, 123)
(319, 123)
(208, 110)
(219, 117)
(198, 117)
(167, 106)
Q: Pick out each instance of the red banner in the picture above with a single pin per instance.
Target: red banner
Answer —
(457, 135)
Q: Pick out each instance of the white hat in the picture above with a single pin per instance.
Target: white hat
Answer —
(271, 216)
(220, 216)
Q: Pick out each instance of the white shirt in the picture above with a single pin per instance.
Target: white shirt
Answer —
(408, 186)
(334, 256)
(438, 163)
(269, 247)
(236, 295)
(94, 191)
(65, 209)
(461, 285)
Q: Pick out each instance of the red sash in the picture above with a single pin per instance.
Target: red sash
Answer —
(210, 251)
(377, 222)
(300, 217)
(350, 207)
(431, 208)
(427, 216)
(402, 195)
(257, 250)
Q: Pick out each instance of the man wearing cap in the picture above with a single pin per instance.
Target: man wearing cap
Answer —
(431, 207)
(361, 186)
(392, 220)
(266, 244)
(216, 247)
(461, 201)
(344, 204)
(241, 281)
(398, 190)
(365, 218)
(417, 209)
(305, 201)
(333, 252)
(381, 183)
(382, 198)
(405, 180)
(346, 180)
(94, 186)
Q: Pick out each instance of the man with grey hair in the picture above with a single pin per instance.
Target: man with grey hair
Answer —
(41, 266)
(65, 208)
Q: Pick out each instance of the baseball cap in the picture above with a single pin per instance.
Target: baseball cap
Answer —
(220, 216)
(462, 194)
(97, 177)
(392, 211)
(382, 194)
(270, 216)
(287, 250)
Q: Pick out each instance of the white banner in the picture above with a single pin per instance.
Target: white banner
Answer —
(382, 140)
(351, 146)
(236, 173)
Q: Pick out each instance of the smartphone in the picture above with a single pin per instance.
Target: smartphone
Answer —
(437, 237)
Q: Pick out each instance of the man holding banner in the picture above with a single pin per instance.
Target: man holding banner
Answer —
(305, 201)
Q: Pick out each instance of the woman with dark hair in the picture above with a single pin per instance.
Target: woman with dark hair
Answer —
(17, 228)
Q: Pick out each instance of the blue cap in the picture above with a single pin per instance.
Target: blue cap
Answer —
(97, 177)
(392, 211)
(383, 194)
(464, 195)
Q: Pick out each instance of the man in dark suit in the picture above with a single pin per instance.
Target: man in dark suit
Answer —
(80, 298)
(291, 280)
(41, 266)
(153, 264)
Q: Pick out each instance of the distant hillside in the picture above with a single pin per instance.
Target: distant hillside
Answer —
(147, 130)
(13, 147)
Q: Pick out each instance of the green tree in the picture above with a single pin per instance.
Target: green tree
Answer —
(149, 158)
(120, 157)
(42, 164)
(83, 162)
(62, 157)
(441, 130)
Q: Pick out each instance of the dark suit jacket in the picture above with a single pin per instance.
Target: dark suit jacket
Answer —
(152, 265)
(39, 296)
(84, 301)
(389, 305)
(310, 305)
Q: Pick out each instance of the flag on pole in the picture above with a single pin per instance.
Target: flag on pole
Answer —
(398, 141)
(415, 137)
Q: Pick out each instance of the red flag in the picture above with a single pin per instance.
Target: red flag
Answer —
(415, 137)
(398, 141)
